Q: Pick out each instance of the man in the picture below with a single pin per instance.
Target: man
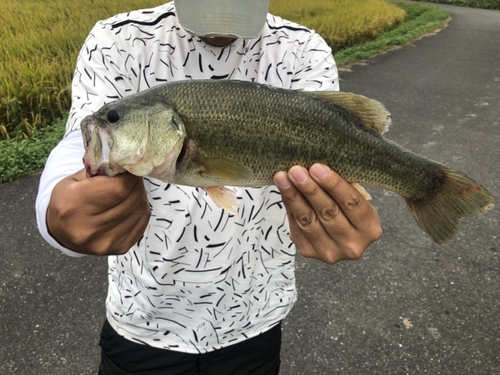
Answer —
(194, 289)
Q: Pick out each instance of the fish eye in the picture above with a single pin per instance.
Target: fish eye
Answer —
(113, 116)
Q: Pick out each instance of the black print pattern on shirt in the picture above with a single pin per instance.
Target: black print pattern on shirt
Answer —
(196, 268)
(200, 278)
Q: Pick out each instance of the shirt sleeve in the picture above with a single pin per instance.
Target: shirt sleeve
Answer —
(64, 160)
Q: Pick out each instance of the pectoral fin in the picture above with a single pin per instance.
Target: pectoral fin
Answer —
(224, 198)
(228, 170)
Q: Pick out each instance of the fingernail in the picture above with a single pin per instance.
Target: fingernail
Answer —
(319, 170)
(281, 180)
(299, 174)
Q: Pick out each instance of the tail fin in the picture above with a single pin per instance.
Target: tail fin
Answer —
(459, 196)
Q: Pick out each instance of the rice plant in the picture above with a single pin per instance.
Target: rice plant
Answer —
(40, 42)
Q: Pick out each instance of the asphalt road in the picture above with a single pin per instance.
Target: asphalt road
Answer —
(407, 307)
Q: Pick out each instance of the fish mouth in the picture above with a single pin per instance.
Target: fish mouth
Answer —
(98, 143)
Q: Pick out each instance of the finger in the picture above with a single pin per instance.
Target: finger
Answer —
(131, 207)
(296, 204)
(306, 231)
(325, 209)
(349, 233)
(120, 238)
(302, 244)
(98, 215)
(352, 205)
(100, 193)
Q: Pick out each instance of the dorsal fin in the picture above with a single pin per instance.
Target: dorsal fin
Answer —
(370, 112)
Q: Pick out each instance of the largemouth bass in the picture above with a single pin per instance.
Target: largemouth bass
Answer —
(213, 134)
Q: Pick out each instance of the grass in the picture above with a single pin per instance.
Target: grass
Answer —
(27, 153)
(483, 4)
(26, 156)
(420, 20)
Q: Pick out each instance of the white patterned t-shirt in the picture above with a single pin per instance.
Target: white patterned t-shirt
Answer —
(200, 278)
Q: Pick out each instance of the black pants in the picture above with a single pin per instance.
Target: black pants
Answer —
(256, 356)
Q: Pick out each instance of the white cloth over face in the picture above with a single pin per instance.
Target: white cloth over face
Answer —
(229, 18)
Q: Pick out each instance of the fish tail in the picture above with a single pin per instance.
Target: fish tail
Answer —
(458, 196)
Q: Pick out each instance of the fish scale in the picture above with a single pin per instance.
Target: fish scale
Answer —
(304, 131)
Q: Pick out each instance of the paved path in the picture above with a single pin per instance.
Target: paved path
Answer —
(408, 307)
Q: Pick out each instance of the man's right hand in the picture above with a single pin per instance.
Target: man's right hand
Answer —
(98, 215)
